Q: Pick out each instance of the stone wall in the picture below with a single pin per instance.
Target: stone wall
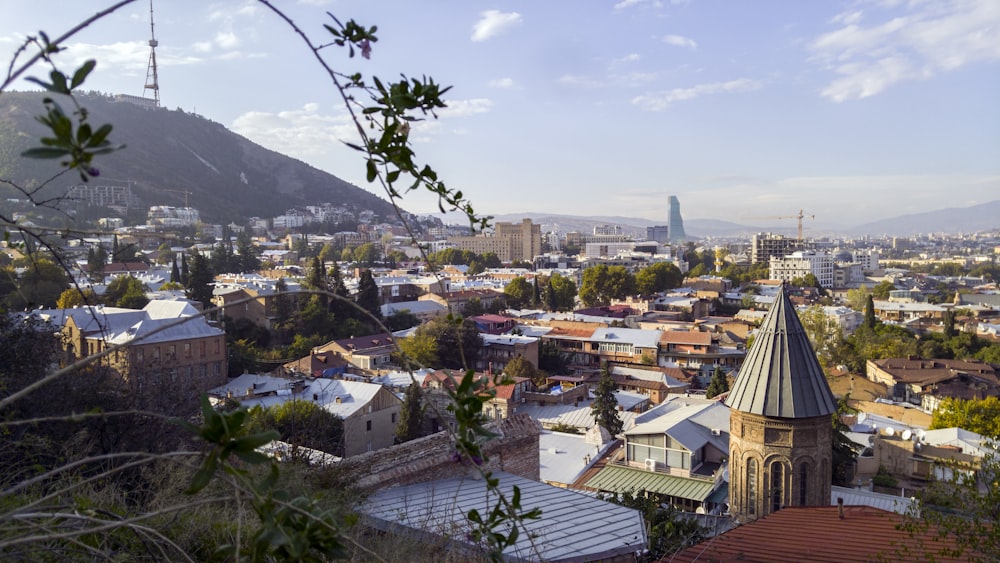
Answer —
(514, 451)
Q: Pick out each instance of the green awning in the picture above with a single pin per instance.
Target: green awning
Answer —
(620, 479)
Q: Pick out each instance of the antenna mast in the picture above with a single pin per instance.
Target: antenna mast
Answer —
(152, 81)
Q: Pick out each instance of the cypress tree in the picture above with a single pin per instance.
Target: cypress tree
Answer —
(175, 273)
(605, 405)
(411, 415)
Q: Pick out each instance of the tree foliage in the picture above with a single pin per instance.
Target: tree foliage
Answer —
(602, 284)
(718, 385)
(668, 529)
(518, 293)
(458, 342)
(301, 423)
(605, 405)
(658, 277)
(411, 416)
(976, 415)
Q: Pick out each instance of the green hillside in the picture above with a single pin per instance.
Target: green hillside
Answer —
(229, 177)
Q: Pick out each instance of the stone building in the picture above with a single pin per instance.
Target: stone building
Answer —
(780, 445)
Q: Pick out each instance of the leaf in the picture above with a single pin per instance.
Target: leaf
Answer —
(81, 73)
(204, 475)
(40, 152)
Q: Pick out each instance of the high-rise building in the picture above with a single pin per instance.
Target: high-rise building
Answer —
(509, 241)
(764, 246)
(675, 223)
(658, 233)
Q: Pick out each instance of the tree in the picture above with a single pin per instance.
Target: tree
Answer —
(199, 281)
(518, 293)
(368, 295)
(870, 321)
(411, 415)
(73, 297)
(882, 289)
(858, 298)
(127, 292)
(97, 259)
(976, 415)
(40, 285)
(668, 529)
(718, 385)
(419, 349)
(845, 450)
(301, 423)
(458, 343)
(473, 308)
(602, 283)
(175, 273)
(367, 254)
(402, 320)
(551, 360)
(520, 367)
(658, 277)
(605, 406)
(246, 253)
(560, 293)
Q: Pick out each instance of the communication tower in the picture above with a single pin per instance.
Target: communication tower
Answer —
(152, 81)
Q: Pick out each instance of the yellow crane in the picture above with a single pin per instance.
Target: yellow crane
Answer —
(186, 194)
(800, 217)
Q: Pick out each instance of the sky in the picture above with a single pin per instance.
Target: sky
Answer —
(851, 111)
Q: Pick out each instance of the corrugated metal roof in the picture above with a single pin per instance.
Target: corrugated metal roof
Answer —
(620, 479)
(781, 376)
(573, 526)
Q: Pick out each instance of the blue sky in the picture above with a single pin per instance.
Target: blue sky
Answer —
(852, 111)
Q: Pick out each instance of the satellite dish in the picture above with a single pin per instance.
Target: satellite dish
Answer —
(906, 435)
(921, 435)
(699, 510)
(890, 431)
(871, 440)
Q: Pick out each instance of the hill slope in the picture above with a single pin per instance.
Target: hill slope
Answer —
(230, 177)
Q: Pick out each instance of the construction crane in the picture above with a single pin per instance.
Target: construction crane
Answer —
(800, 217)
(185, 192)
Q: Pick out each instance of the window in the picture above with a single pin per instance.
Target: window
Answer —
(803, 483)
(394, 418)
(187, 349)
(751, 486)
(201, 348)
(776, 482)
(368, 426)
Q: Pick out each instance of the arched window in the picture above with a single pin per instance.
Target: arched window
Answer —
(803, 483)
(777, 479)
(751, 486)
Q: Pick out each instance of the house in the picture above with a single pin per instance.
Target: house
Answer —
(498, 350)
(424, 310)
(318, 363)
(591, 347)
(926, 382)
(370, 412)
(506, 402)
(655, 383)
(166, 346)
(821, 534)
(677, 451)
(457, 300)
(367, 354)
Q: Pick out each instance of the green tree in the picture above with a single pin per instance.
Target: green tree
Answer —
(976, 415)
(520, 367)
(560, 293)
(458, 343)
(845, 450)
(127, 292)
(605, 406)
(175, 272)
(368, 295)
(73, 297)
(602, 283)
(420, 349)
(718, 385)
(473, 308)
(301, 423)
(199, 281)
(882, 289)
(247, 255)
(402, 320)
(668, 529)
(40, 284)
(551, 360)
(367, 254)
(411, 415)
(858, 298)
(518, 293)
(97, 259)
(658, 277)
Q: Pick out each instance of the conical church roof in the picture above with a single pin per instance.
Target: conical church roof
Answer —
(781, 376)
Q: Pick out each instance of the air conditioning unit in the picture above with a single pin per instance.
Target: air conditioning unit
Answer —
(651, 464)
(716, 432)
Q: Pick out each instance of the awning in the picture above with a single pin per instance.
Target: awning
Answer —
(620, 479)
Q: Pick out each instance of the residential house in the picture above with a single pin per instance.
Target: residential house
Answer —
(676, 451)
(370, 412)
(367, 354)
(925, 382)
(499, 349)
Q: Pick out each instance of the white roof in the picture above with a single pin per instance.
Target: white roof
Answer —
(572, 527)
(691, 421)
(352, 395)
(635, 336)
(564, 457)
(864, 497)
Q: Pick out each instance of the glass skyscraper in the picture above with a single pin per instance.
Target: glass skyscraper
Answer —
(675, 223)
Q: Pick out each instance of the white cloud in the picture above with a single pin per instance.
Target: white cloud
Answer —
(505, 82)
(465, 108)
(680, 41)
(226, 39)
(578, 81)
(625, 4)
(493, 23)
(922, 41)
(202, 46)
(629, 58)
(662, 100)
(302, 133)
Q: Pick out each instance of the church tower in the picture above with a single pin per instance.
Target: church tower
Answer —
(780, 430)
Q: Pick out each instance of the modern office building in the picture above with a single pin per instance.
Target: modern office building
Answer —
(675, 223)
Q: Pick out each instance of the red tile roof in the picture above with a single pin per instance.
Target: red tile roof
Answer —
(818, 534)
(686, 337)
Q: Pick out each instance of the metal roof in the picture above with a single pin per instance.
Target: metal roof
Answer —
(621, 479)
(781, 376)
(572, 527)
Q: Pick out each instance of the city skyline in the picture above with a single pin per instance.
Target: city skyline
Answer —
(852, 111)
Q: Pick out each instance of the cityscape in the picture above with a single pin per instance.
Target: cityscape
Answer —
(224, 352)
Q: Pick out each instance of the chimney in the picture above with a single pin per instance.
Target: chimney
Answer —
(840, 507)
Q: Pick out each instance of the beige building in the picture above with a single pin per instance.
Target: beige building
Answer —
(509, 241)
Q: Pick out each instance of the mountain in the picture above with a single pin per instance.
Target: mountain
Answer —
(169, 152)
(982, 217)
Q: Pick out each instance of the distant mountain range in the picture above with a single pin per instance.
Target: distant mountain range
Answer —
(982, 217)
(169, 152)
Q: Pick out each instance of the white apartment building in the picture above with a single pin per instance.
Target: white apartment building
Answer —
(800, 263)
(869, 259)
